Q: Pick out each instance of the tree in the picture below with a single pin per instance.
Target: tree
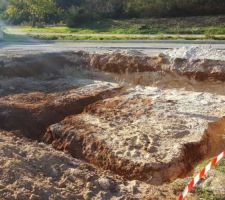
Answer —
(78, 15)
(17, 11)
(80, 11)
(34, 11)
(42, 11)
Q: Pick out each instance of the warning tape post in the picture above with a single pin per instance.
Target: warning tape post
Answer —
(200, 175)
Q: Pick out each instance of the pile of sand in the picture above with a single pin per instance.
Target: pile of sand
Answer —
(35, 171)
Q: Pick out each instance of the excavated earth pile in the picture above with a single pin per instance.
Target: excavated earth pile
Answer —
(35, 171)
(198, 69)
(144, 134)
(129, 124)
(163, 71)
(22, 65)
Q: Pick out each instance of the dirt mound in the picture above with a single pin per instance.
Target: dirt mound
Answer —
(41, 64)
(199, 69)
(124, 63)
(145, 134)
(35, 171)
(118, 62)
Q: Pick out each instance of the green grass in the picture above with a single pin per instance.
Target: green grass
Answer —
(186, 28)
(200, 193)
(221, 166)
(128, 37)
(93, 37)
(205, 194)
(207, 25)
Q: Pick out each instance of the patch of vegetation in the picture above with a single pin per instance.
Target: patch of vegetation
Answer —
(205, 194)
(207, 25)
(221, 166)
(75, 38)
(75, 12)
(128, 37)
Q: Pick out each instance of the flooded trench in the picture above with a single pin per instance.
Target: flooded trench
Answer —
(141, 117)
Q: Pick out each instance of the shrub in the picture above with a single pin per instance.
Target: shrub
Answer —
(78, 15)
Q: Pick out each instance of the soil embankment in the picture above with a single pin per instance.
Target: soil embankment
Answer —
(146, 120)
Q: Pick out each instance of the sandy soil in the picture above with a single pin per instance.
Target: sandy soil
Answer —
(120, 141)
(132, 133)
(35, 171)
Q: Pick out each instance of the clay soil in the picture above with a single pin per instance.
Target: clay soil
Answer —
(106, 126)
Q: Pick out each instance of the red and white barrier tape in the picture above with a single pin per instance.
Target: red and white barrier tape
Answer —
(202, 173)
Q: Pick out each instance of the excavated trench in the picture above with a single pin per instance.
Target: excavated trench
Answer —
(154, 134)
(76, 135)
(161, 71)
(32, 113)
